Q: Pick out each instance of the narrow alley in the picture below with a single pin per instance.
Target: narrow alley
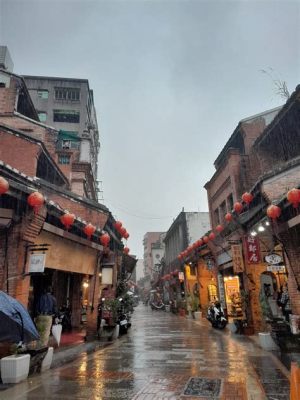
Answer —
(164, 356)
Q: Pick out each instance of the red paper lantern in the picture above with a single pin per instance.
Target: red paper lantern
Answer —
(273, 212)
(67, 220)
(194, 245)
(212, 236)
(118, 225)
(238, 207)
(35, 200)
(228, 217)
(122, 231)
(126, 235)
(293, 197)
(89, 230)
(105, 239)
(205, 239)
(190, 249)
(4, 186)
(200, 241)
(126, 250)
(219, 228)
(247, 197)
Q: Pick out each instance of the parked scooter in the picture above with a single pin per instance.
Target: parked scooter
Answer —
(123, 318)
(64, 318)
(215, 315)
(158, 305)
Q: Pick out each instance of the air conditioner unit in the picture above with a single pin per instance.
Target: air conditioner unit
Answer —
(66, 144)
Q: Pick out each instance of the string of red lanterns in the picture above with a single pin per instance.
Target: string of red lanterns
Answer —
(273, 212)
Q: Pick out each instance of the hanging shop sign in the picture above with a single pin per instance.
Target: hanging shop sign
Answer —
(107, 276)
(36, 263)
(276, 268)
(221, 291)
(252, 250)
(273, 259)
(237, 258)
(181, 276)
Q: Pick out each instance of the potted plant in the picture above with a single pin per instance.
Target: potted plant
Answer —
(182, 308)
(247, 326)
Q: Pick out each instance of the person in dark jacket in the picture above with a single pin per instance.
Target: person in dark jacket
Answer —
(46, 308)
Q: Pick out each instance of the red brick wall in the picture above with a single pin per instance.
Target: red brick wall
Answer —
(19, 153)
(8, 98)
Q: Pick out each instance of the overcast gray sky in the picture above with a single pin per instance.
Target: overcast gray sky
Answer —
(171, 80)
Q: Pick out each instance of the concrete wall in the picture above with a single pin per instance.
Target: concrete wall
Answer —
(197, 225)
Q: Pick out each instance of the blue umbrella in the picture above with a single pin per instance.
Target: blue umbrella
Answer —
(15, 323)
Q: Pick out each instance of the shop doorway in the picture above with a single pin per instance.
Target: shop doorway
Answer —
(67, 289)
(233, 296)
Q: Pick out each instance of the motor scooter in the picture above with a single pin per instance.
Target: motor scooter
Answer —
(157, 305)
(123, 318)
(216, 316)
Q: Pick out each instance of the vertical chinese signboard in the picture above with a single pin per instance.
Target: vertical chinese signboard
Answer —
(252, 250)
(237, 258)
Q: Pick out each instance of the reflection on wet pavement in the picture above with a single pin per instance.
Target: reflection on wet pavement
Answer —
(157, 360)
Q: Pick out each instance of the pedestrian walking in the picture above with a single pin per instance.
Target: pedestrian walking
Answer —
(46, 309)
(285, 302)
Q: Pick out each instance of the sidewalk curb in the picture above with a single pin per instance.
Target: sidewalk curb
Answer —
(69, 354)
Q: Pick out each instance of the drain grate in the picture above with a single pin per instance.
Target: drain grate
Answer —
(203, 387)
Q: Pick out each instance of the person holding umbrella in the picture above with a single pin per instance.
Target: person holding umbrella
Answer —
(46, 308)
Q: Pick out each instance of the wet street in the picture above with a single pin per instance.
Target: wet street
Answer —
(164, 356)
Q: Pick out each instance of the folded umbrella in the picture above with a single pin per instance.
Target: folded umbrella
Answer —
(15, 323)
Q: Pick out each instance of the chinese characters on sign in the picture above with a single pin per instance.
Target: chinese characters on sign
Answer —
(37, 263)
(252, 250)
(237, 258)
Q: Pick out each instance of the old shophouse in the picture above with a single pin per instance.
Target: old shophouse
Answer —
(37, 248)
(232, 178)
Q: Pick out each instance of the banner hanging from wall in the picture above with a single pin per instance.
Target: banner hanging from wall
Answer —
(237, 258)
(252, 250)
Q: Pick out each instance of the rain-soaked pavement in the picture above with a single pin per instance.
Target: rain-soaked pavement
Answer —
(164, 356)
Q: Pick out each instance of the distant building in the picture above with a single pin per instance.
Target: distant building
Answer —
(150, 263)
(67, 104)
(5, 59)
(187, 228)
(139, 269)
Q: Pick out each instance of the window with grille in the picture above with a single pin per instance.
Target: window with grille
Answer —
(71, 94)
(64, 159)
(43, 94)
(66, 116)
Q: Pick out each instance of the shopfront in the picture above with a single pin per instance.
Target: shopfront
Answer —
(69, 266)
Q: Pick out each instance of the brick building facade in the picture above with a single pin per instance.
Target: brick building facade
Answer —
(29, 162)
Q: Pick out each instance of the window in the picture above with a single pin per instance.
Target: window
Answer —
(223, 211)
(42, 116)
(216, 217)
(66, 116)
(230, 202)
(43, 94)
(71, 94)
(64, 159)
